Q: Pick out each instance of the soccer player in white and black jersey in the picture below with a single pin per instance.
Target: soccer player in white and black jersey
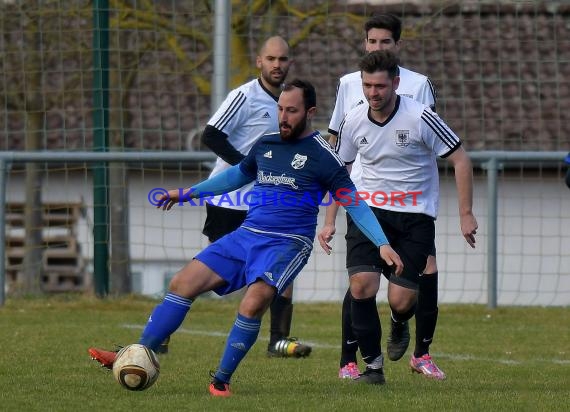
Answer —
(382, 32)
(398, 140)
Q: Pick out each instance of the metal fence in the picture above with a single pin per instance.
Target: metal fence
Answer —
(491, 162)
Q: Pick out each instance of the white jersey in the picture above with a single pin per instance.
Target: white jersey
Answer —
(247, 113)
(398, 156)
(350, 94)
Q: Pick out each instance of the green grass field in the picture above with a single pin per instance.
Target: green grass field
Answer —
(508, 359)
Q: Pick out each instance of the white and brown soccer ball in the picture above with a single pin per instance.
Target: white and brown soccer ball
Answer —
(136, 367)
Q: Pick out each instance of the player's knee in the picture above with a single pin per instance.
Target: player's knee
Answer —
(179, 284)
(364, 285)
(257, 300)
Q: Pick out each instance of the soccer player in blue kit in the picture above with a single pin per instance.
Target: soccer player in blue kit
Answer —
(293, 170)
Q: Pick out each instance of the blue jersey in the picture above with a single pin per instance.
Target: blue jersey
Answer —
(291, 180)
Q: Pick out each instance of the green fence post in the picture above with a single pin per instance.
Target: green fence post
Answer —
(100, 144)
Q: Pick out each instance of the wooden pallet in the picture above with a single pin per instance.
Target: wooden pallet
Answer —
(53, 214)
(63, 266)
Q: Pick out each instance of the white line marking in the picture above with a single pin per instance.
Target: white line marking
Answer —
(225, 334)
(455, 357)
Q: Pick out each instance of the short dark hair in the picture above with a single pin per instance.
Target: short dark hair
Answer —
(309, 94)
(384, 21)
(379, 61)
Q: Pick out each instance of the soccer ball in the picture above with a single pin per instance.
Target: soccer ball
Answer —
(136, 367)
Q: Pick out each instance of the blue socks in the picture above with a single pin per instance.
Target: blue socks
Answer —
(169, 315)
(164, 320)
(240, 340)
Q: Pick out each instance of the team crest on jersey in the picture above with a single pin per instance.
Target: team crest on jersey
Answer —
(298, 161)
(403, 138)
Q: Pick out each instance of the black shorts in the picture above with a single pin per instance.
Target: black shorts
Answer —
(411, 235)
(221, 220)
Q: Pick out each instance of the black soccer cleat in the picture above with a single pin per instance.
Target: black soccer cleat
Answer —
(398, 341)
(371, 377)
(288, 348)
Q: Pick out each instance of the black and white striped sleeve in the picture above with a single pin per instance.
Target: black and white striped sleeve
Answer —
(438, 135)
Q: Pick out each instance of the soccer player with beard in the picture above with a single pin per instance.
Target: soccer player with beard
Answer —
(273, 244)
(247, 113)
(398, 140)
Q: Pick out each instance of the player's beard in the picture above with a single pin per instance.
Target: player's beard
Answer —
(274, 77)
(292, 133)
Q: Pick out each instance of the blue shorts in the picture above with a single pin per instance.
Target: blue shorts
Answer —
(244, 256)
